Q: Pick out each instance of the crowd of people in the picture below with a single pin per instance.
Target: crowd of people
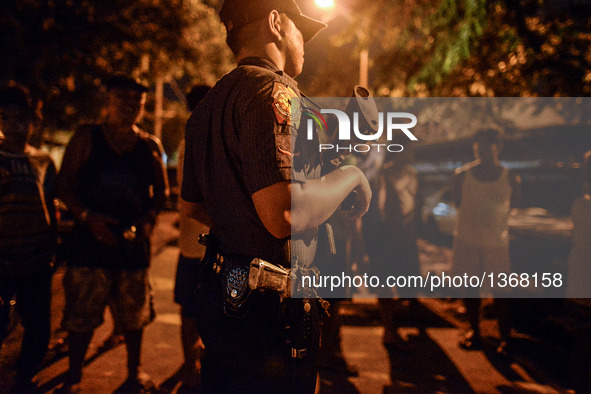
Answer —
(114, 184)
(261, 192)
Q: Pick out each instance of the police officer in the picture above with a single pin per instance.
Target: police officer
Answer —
(262, 199)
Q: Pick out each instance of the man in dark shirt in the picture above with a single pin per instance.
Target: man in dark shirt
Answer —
(114, 183)
(261, 199)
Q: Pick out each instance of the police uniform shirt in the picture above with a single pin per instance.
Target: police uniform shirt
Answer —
(239, 141)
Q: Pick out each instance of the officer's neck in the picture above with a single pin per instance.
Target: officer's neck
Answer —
(268, 52)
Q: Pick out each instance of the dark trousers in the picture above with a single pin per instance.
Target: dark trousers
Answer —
(251, 354)
(33, 295)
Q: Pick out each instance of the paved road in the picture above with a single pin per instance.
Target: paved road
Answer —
(436, 365)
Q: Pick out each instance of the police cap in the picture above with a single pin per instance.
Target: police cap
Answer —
(238, 13)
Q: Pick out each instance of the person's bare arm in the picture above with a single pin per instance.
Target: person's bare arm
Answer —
(77, 153)
(285, 207)
(161, 190)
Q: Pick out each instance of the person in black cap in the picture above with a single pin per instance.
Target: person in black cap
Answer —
(114, 183)
(262, 199)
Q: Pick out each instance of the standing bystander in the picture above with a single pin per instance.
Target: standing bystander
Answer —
(191, 254)
(579, 267)
(484, 192)
(390, 237)
(113, 181)
(27, 230)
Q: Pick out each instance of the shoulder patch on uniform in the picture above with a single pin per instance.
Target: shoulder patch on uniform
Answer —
(282, 96)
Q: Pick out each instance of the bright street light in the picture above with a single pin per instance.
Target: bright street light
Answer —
(364, 51)
(325, 3)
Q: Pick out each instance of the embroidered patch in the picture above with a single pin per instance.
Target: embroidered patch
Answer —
(282, 96)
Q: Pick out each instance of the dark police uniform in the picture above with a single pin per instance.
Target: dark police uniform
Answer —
(239, 141)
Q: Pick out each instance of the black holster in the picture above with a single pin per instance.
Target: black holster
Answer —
(229, 270)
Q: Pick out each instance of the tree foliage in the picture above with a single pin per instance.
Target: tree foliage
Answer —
(64, 49)
(474, 47)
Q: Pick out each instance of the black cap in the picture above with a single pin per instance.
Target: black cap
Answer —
(125, 82)
(13, 94)
(238, 13)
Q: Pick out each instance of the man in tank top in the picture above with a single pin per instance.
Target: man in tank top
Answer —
(484, 192)
(114, 183)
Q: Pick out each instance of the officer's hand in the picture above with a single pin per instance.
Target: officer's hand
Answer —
(99, 227)
(362, 198)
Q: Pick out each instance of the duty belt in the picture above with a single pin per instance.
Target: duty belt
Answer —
(241, 275)
(260, 273)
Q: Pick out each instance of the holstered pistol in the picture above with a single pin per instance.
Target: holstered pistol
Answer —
(264, 275)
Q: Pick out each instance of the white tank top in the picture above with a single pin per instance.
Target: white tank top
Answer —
(484, 211)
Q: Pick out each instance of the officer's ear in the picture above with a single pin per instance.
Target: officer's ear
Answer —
(276, 25)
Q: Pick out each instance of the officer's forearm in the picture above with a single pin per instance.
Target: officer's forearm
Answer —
(316, 200)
